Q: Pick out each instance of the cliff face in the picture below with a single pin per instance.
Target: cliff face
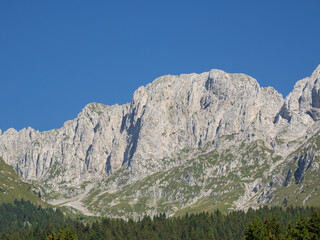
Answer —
(303, 103)
(172, 113)
(169, 115)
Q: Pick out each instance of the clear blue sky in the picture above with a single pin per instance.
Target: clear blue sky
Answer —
(57, 56)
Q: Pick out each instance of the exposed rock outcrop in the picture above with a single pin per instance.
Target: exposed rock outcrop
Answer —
(165, 117)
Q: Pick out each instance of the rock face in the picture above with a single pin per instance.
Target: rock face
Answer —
(172, 113)
(164, 118)
(303, 101)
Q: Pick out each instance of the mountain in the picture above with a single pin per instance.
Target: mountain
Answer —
(192, 142)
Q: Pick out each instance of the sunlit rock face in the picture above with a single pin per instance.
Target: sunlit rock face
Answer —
(169, 115)
(172, 113)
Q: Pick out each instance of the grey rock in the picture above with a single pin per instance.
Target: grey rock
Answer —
(165, 117)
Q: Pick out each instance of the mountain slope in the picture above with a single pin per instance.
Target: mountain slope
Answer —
(299, 177)
(12, 187)
(194, 141)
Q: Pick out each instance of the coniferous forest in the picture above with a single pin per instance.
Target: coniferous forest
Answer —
(23, 220)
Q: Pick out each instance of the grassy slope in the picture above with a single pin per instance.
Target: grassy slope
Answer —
(12, 187)
(211, 175)
(306, 192)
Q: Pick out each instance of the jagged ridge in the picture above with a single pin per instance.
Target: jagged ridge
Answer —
(174, 113)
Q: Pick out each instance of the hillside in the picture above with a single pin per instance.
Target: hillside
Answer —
(12, 187)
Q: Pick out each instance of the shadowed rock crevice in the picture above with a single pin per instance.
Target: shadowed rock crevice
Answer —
(304, 163)
(316, 97)
(108, 165)
(314, 114)
(87, 159)
(284, 113)
(133, 135)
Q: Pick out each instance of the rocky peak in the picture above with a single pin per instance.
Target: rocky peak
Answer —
(316, 72)
(168, 115)
(302, 105)
(224, 85)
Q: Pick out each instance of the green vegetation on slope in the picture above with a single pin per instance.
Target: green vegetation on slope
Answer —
(301, 173)
(205, 182)
(12, 187)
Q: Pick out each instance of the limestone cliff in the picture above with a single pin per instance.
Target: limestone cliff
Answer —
(169, 115)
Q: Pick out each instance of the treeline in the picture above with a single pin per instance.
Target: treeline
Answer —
(23, 215)
(22, 220)
(271, 228)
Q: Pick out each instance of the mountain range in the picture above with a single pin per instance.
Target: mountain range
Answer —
(187, 143)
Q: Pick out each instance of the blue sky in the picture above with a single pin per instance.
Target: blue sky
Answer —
(58, 56)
